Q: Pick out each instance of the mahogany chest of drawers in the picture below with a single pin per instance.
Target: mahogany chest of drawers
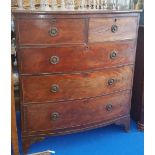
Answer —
(76, 70)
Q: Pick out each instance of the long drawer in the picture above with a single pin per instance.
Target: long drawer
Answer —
(51, 31)
(112, 29)
(76, 86)
(54, 116)
(78, 58)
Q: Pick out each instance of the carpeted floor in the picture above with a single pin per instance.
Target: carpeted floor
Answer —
(110, 140)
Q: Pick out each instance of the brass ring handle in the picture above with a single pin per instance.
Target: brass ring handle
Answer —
(114, 28)
(54, 88)
(111, 82)
(113, 54)
(53, 31)
(54, 116)
(109, 107)
(54, 60)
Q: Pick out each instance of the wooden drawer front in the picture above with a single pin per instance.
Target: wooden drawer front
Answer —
(52, 116)
(112, 29)
(68, 59)
(33, 31)
(75, 86)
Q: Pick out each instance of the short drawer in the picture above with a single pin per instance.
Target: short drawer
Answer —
(57, 116)
(112, 29)
(51, 31)
(79, 58)
(62, 87)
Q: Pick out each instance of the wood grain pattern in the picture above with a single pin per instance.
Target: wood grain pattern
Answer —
(33, 31)
(76, 86)
(28, 139)
(78, 58)
(83, 44)
(75, 113)
(100, 29)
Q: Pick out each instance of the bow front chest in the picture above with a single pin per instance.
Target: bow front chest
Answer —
(76, 70)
